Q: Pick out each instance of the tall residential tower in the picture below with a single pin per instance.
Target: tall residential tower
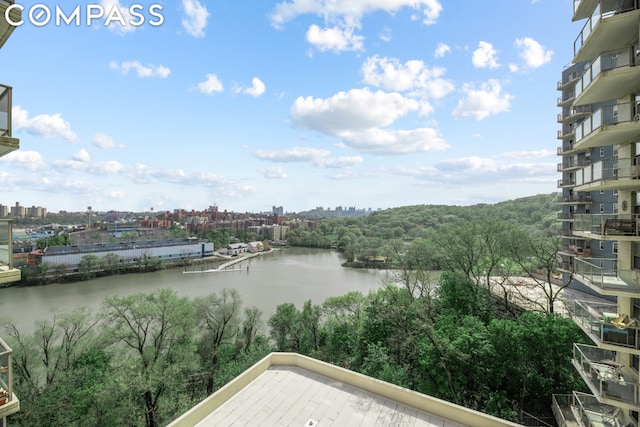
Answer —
(600, 150)
(9, 403)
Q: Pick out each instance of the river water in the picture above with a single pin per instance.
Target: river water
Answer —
(288, 276)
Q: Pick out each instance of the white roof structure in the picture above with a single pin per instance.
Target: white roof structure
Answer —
(287, 389)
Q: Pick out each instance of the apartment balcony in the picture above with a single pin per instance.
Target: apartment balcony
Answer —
(576, 249)
(565, 216)
(584, 410)
(609, 125)
(616, 227)
(582, 9)
(6, 29)
(9, 403)
(575, 114)
(609, 174)
(575, 199)
(7, 143)
(611, 382)
(607, 328)
(566, 183)
(612, 75)
(566, 148)
(567, 98)
(8, 274)
(611, 23)
(603, 276)
(569, 80)
(573, 163)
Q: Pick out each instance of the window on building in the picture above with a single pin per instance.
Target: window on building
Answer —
(601, 207)
(614, 247)
(601, 151)
(602, 245)
(615, 208)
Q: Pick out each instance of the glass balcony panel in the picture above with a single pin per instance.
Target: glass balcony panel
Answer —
(603, 322)
(604, 376)
(592, 413)
(5, 111)
(6, 373)
(5, 242)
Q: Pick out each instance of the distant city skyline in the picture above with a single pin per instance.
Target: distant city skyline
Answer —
(376, 104)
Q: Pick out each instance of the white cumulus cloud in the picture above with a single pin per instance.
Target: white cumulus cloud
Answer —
(196, 17)
(82, 156)
(30, 160)
(485, 56)
(357, 109)
(413, 76)
(105, 141)
(211, 85)
(142, 71)
(257, 88)
(392, 142)
(533, 53)
(43, 125)
(335, 39)
(481, 102)
(441, 50)
(342, 18)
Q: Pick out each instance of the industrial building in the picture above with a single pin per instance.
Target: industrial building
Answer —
(600, 135)
(127, 252)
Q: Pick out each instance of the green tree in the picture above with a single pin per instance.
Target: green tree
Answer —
(152, 336)
(218, 319)
(88, 266)
(111, 262)
(285, 328)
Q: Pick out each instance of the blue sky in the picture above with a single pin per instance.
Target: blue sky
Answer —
(299, 103)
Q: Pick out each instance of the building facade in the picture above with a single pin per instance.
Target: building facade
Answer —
(600, 209)
(9, 403)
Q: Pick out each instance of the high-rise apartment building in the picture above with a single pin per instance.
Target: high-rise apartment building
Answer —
(9, 403)
(600, 150)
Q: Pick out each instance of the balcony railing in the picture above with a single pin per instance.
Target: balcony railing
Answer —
(603, 10)
(5, 110)
(620, 58)
(596, 320)
(606, 378)
(606, 116)
(609, 170)
(573, 162)
(584, 410)
(622, 225)
(566, 183)
(575, 198)
(6, 374)
(7, 272)
(568, 95)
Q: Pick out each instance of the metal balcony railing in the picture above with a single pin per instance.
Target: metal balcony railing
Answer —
(596, 320)
(620, 58)
(606, 116)
(609, 170)
(608, 224)
(603, 10)
(6, 374)
(584, 410)
(5, 110)
(607, 378)
(6, 244)
(575, 198)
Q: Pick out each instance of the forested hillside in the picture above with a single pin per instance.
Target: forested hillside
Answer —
(386, 233)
